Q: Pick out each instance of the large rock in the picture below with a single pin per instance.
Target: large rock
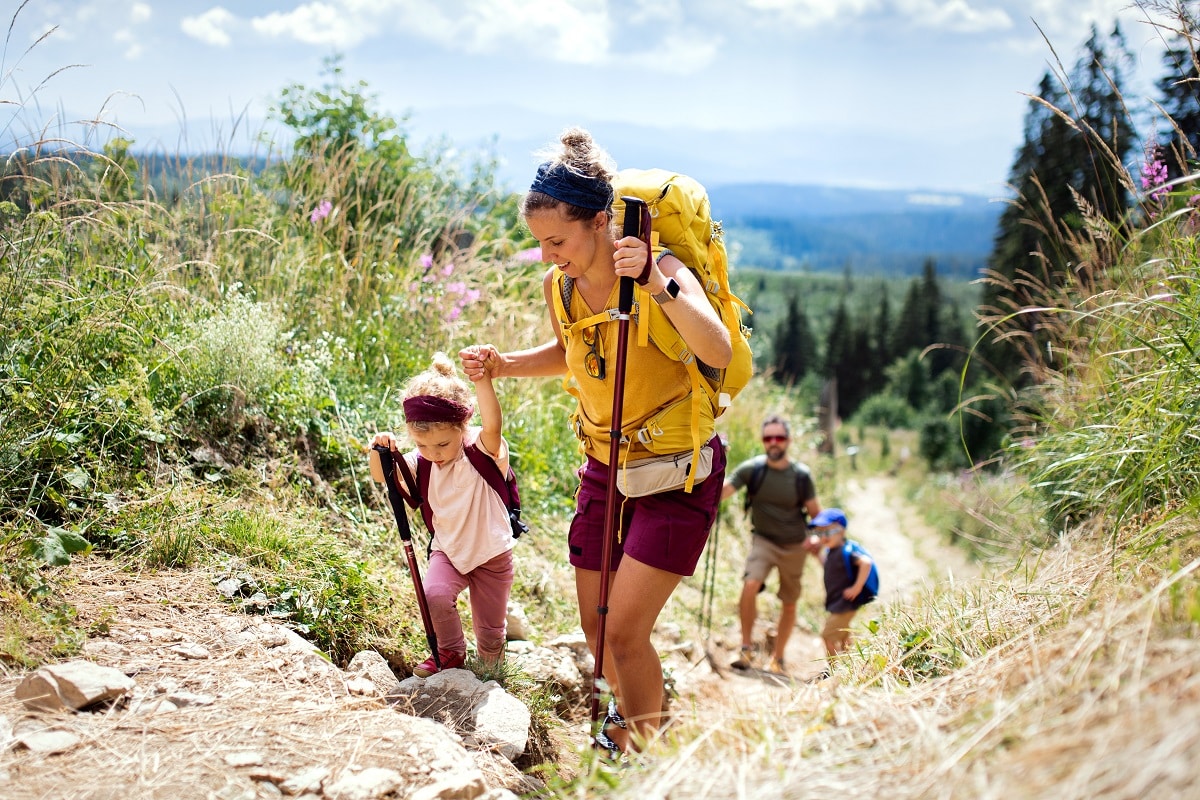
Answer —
(501, 721)
(374, 668)
(485, 713)
(72, 685)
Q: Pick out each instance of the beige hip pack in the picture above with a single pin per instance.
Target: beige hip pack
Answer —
(663, 473)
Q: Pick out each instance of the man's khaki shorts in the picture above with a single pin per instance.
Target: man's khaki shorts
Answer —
(788, 559)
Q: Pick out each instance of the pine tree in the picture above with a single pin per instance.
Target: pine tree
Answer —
(909, 333)
(795, 345)
(1179, 97)
(1061, 164)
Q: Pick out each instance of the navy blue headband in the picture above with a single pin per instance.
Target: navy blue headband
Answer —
(556, 180)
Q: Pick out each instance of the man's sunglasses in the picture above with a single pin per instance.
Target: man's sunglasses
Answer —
(770, 439)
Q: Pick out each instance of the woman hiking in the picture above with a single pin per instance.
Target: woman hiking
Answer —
(569, 210)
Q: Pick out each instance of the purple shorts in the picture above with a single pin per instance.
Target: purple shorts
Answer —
(666, 531)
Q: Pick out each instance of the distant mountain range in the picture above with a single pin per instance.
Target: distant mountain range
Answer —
(822, 229)
(792, 227)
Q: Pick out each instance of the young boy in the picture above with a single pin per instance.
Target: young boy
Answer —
(848, 578)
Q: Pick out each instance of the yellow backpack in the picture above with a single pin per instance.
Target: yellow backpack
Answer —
(681, 221)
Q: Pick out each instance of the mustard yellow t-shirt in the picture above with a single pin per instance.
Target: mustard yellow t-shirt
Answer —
(653, 381)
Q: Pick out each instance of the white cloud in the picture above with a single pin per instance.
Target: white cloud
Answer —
(210, 27)
(341, 25)
(569, 30)
(957, 16)
(679, 54)
(813, 13)
(140, 12)
(131, 41)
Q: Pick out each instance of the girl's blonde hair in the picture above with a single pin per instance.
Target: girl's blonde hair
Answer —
(440, 380)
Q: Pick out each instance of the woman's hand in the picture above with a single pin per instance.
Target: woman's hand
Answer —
(480, 361)
(629, 261)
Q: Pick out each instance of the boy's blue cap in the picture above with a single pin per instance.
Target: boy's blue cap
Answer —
(830, 516)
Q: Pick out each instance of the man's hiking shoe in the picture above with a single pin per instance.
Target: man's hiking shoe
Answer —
(823, 676)
(746, 659)
(776, 665)
(449, 661)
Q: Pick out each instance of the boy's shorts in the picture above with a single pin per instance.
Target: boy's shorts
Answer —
(789, 558)
(666, 531)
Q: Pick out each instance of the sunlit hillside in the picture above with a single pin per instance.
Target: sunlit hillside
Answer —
(189, 380)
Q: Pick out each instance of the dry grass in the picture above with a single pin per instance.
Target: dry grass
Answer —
(1092, 689)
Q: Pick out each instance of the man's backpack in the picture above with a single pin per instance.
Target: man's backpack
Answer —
(870, 589)
(485, 465)
(760, 474)
(681, 221)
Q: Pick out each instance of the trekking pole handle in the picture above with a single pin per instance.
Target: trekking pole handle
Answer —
(635, 216)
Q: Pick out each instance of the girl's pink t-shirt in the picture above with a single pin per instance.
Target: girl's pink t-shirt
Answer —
(470, 518)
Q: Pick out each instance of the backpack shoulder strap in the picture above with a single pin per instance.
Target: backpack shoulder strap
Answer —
(503, 485)
(424, 468)
(486, 466)
(756, 480)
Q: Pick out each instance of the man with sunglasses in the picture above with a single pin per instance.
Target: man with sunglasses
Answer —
(781, 499)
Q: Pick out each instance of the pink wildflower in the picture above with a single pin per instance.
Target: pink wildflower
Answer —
(533, 254)
(426, 260)
(448, 270)
(320, 212)
(1154, 173)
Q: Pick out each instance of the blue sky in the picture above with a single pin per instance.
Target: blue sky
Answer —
(907, 94)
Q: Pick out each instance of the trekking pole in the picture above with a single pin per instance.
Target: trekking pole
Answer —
(635, 215)
(387, 464)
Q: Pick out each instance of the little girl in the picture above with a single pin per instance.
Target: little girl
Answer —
(472, 545)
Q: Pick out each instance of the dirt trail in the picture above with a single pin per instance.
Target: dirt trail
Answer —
(909, 553)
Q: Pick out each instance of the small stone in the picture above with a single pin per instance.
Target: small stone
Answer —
(229, 587)
(104, 648)
(371, 783)
(72, 685)
(307, 782)
(183, 699)
(190, 650)
(165, 635)
(48, 741)
(244, 758)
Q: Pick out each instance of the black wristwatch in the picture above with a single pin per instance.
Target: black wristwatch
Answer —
(668, 294)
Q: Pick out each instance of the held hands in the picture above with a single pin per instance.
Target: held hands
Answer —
(851, 592)
(480, 361)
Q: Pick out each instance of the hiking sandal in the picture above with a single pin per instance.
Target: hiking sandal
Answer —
(608, 745)
(614, 717)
